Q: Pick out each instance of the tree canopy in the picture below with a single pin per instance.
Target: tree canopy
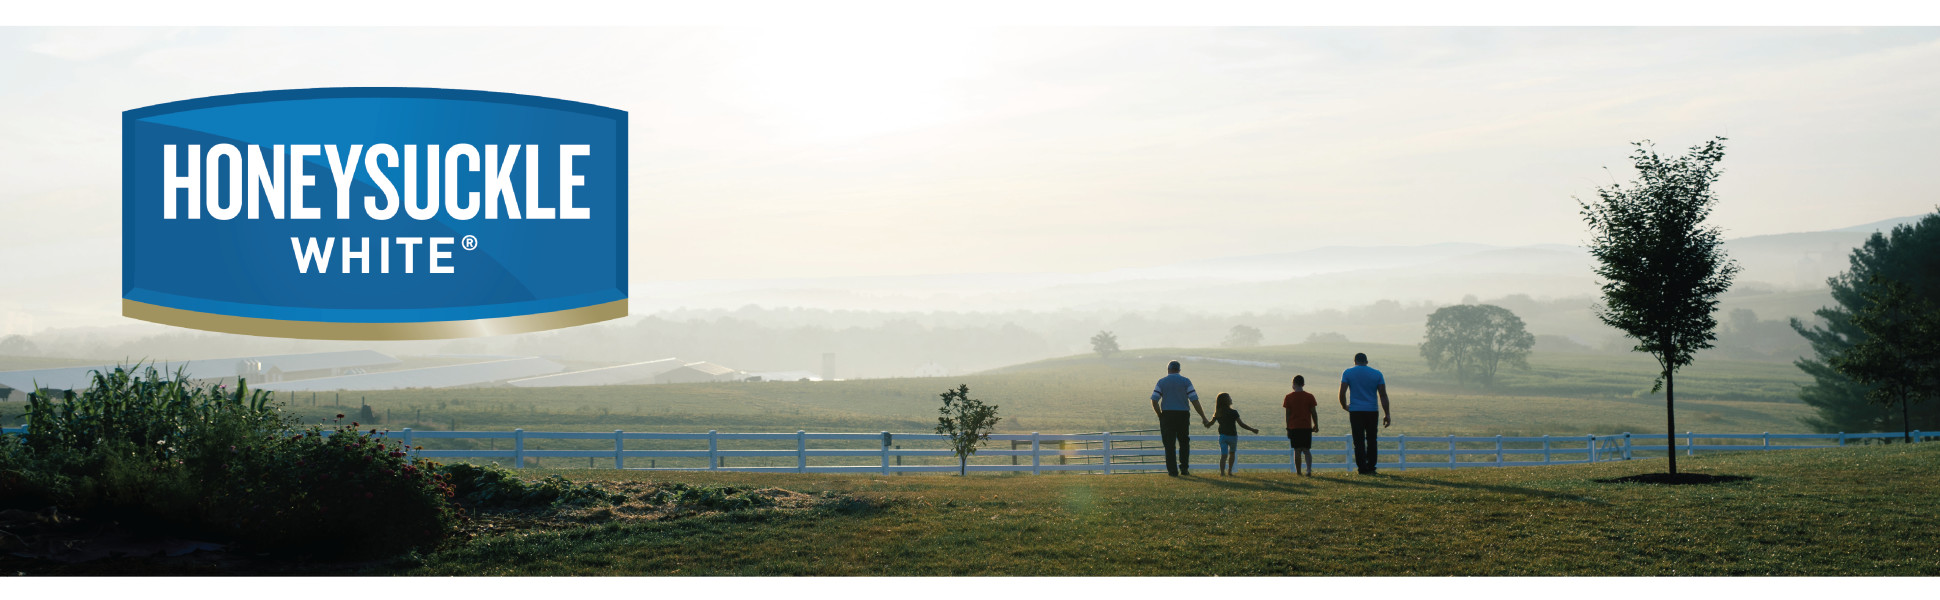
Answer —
(1105, 344)
(1474, 340)
(1907, 256)
(1662, 267)
(1899, 358)
(967, 421)
(1243, 336)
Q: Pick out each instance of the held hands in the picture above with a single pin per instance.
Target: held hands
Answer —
(1207, 423)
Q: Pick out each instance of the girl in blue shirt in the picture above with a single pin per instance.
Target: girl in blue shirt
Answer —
(1229, 424)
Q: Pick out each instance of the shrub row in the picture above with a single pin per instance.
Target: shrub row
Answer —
(159, 453)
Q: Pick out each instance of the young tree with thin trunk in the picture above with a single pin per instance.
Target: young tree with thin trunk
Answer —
(967, 421)
(1662, 267)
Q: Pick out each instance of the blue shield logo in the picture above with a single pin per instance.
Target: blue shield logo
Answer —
(374, 213)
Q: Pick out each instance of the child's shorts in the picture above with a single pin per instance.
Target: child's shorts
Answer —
(1228, 443)
(1301, 439)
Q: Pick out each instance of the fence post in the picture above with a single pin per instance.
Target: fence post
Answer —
(1594, 451)
(1690, 444)
(1498, 450)
(407, 442)
(1401, 447)
(1451, 452)
(1842, 438)
(1107, 452)
(1916, 435)
(1626, 445)
(713, 450)
(801, 451)
(518, 448)
(1035, 459)
(1545, 448)
(885, 453)
(619, 449)
(1768, 440)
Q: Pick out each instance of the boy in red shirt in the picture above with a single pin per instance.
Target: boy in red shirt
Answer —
(1303, 421)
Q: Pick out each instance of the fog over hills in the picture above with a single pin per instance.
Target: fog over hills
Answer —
(1330, 277)
(889, 326)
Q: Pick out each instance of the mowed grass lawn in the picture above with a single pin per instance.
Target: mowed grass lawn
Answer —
(1563, 394)
(1848, 511)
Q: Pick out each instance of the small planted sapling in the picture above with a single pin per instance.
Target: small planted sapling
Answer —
(967, 421)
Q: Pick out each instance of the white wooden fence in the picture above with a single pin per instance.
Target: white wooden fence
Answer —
(883, 453)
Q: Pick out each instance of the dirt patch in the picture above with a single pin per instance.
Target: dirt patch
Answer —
(652, 501)
(1678, 479)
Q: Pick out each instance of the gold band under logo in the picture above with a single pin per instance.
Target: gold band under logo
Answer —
(316, 330)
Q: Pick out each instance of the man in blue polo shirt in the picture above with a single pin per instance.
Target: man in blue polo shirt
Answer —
(1366, 385)
(1169, 400)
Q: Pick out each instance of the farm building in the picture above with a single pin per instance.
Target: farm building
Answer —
(781, 376)
(640, 372)
(474, 374)
(284, 367)
(258, 369)
(698, 372)
(77, 378)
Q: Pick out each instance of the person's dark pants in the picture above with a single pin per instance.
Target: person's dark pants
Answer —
(1367, 436)
(1175, 430)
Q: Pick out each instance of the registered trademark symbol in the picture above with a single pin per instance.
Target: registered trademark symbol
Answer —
(470, 242)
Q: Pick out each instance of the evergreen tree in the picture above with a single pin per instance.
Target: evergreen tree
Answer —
(1910, 256)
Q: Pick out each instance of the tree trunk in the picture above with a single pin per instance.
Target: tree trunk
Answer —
(963, 466)
(1670, 418)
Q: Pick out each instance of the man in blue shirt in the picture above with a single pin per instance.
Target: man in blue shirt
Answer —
(1169, 401)
(1365, 385)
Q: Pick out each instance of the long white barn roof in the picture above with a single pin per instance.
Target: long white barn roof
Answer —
(74, 378)
(291, 363)
(641, 372)
(77, 378)
(429, 377)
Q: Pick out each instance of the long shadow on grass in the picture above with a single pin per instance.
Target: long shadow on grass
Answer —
(1268, 485)
(1392, 482)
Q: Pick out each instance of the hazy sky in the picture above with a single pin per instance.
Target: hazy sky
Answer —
(813, 152)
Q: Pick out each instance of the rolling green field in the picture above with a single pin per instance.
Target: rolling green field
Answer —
(1561, 394)
(1848, 511)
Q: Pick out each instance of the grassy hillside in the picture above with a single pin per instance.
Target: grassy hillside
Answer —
(1852, 511)
(1562, 394)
